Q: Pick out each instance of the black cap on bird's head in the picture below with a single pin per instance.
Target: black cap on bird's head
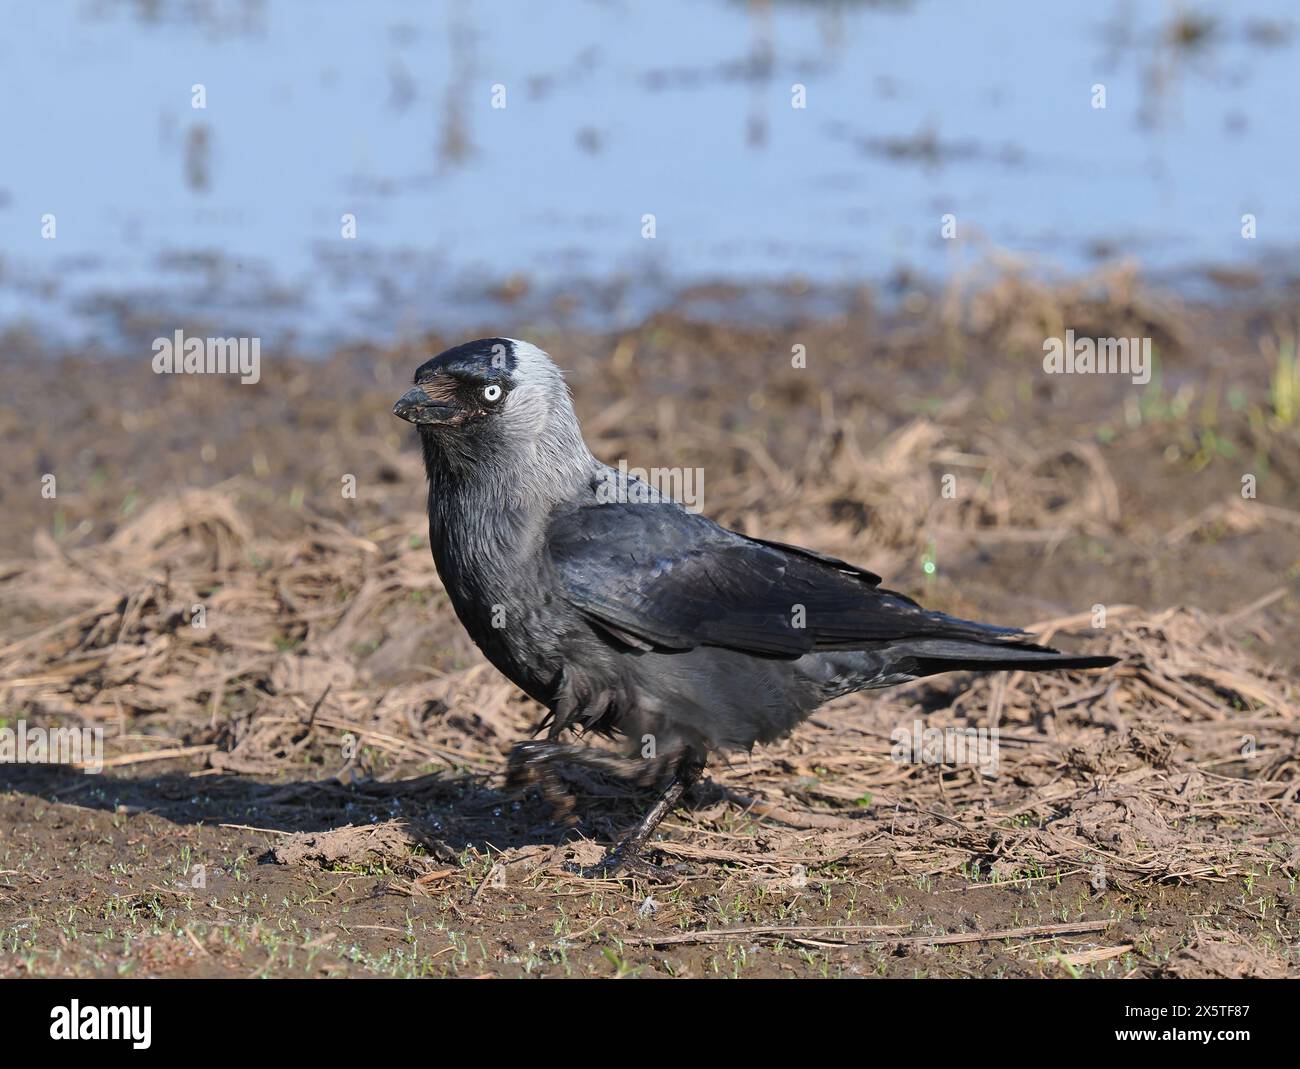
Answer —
(498, 408)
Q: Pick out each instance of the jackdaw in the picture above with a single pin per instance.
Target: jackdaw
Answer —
(627, 615)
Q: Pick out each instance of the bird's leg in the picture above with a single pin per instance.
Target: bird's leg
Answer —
(626, 856)
(533, 762)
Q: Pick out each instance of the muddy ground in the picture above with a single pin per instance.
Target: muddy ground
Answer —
(309, 783)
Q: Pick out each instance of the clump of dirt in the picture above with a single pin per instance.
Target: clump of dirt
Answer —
(358, 846)
(1223, 955)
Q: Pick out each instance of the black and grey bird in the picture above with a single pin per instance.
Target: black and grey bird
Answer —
(625, 614)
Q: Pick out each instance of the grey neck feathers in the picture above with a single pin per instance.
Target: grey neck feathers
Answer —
(491, 494)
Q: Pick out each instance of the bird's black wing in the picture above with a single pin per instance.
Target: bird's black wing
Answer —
(657, 576)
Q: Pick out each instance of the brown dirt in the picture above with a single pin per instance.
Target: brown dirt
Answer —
(333, 803)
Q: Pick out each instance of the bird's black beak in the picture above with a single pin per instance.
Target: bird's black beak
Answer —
(414, 406)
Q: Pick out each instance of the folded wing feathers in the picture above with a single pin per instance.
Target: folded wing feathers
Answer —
(659, 575)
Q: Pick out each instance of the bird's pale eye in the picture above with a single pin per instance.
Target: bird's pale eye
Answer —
(492, 392)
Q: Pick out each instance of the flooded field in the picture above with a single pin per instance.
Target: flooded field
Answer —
(293, 172)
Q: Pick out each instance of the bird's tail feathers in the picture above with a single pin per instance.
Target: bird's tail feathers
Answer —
(931, 656)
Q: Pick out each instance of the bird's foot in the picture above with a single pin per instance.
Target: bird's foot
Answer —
(530, 764)
(619, 864)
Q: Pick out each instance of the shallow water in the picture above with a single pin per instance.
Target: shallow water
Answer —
(230, 216)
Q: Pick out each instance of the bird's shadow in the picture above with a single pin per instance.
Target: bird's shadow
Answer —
(448, 811)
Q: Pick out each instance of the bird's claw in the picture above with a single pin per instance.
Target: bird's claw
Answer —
(530, 764)
(619, 866)
(527, 761)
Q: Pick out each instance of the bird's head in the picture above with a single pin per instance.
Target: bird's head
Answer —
(495, 406)
(465, 389)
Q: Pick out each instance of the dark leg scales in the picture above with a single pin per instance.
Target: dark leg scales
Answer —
(533, 763)
(625, 859)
